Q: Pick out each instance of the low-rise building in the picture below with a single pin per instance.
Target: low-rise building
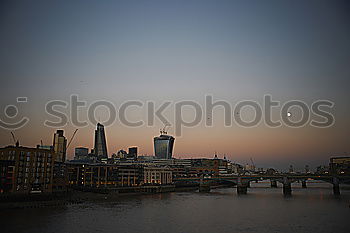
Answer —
(157, 175)
(104, 175)
(81, 153)
(26, 170)
(340, 165)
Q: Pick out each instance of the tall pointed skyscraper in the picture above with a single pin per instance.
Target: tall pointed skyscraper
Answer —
(60, 145)
(100, 148)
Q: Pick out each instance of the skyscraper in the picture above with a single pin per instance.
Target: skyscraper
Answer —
(100, 148)
(60, 145)
(132, 154)
(163, 146)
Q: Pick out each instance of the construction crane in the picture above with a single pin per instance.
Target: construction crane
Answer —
(163, 131)
(71, 139)
(251, 160)
(13, 137)
(16, 142)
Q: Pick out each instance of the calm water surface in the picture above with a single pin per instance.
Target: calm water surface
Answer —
(263, 209)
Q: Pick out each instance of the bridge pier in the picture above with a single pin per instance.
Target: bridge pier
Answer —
(336, 188)
(203, 186)
(273, 183)
(303, 184)
(287, 187)
(242, 189)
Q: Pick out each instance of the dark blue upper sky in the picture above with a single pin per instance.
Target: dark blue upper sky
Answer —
(293, 46)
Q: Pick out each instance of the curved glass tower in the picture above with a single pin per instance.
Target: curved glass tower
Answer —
(163, 146)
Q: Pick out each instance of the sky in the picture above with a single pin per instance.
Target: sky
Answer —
(157, 51)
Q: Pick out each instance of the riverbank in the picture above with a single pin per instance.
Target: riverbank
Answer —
(81, 195)
(263, 209)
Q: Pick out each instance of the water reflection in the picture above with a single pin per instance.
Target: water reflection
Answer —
(263, 209)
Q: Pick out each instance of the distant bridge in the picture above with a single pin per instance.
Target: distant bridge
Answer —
(242, 182)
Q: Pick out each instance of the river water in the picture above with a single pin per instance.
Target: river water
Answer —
(263, 209)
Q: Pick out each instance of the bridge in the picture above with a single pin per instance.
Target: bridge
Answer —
(242, 182)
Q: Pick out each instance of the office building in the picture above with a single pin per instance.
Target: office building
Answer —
(26, 170)
(81, 153)
(132, 153)
(163, 146)
(157, 175)
(104, 175)
(100, 148)
(60, 146)
(340, 165)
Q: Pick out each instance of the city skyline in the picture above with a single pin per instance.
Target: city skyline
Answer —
(175, 51)
(299, 167)
(174, 116)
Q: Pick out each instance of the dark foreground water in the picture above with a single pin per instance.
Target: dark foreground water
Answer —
(311, 210)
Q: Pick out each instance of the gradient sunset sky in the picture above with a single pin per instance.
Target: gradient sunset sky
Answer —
(180, 50)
